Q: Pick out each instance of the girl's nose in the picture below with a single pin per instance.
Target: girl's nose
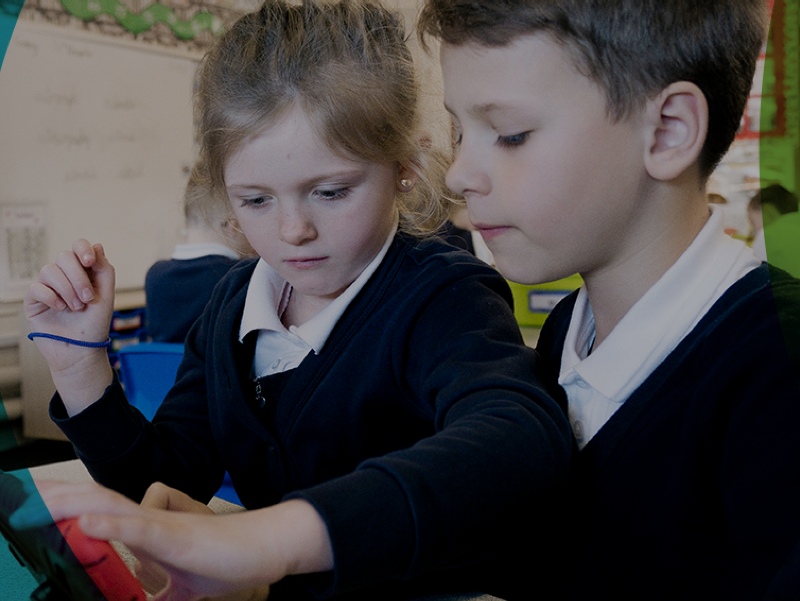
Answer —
(467, 176)
(296, 228)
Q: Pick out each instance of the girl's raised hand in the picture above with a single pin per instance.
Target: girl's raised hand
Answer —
(74, 298)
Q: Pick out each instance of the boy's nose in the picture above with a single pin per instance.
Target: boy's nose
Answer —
(466, 177)
(296, 229)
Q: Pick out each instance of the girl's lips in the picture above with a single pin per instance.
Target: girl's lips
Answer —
(492, 231)
(305, 263)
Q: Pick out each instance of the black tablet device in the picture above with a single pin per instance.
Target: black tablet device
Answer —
(49, 553)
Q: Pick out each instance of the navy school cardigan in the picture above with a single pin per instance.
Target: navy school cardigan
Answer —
(421, 432)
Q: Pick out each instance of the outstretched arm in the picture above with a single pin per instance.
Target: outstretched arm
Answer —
(203, 555)
(74, 298)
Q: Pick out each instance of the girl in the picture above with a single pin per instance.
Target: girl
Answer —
(366, 388)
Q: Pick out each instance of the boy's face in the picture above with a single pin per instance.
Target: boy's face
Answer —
(549, 180)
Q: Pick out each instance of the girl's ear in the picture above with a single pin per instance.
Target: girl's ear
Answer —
(407, 178)
(677, 124)
(408, 173)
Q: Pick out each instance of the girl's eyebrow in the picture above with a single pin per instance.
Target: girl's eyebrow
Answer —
(244, 187)
(307, 183)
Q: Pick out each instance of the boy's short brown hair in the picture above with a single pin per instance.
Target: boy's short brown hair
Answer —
(632, 49)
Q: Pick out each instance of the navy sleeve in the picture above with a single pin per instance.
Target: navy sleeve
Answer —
(495, 462)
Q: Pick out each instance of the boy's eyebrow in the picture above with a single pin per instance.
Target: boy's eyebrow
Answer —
(482, 110)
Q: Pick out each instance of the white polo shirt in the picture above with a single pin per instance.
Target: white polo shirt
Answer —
(184, 252)
(597, 384)
(279, 349)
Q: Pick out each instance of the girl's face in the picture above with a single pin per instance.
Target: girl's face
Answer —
(315, 217)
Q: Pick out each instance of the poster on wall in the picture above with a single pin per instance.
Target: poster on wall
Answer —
(765, 149)
(186, 25)
(23, 246)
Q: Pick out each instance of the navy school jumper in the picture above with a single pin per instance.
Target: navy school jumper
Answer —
(692, 489)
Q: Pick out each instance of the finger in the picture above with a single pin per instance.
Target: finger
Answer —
(156, 496)
(40, 298)
(101, 263)
(161, 496)
(175, 593)
(54, 277)
(80, 289)
(137, 531)
(103, 274)
(85, 252)
(34, 512)
(50, 501)
(152, 576)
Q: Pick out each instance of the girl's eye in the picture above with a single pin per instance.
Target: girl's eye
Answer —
(255, 201)
(332, 194)
(513, 141)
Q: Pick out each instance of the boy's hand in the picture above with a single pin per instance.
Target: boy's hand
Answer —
(74, 298)
(201, 555)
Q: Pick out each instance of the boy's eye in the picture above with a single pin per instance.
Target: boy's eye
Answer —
(513, 141)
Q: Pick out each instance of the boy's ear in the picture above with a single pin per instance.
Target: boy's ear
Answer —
(677, 123)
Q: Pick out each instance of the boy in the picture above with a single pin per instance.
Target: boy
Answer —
(586, 132)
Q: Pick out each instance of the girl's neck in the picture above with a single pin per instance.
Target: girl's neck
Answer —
(301, 308)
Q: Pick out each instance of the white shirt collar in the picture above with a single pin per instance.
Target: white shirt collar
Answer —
(185, 252)
(655, 325)
(268, 293)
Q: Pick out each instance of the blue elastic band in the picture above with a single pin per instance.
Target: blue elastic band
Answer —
(33, 335)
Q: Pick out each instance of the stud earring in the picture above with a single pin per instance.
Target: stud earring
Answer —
(406, 184)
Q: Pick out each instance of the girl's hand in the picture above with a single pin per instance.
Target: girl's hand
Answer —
(202, 555)
(161, 496)
(74, 298)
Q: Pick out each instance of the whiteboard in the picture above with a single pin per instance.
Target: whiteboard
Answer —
(98, 137)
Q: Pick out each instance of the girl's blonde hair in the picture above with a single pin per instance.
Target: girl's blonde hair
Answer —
(347, 66)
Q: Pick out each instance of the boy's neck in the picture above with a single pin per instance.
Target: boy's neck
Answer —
(657, 241)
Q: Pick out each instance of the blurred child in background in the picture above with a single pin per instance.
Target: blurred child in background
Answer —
(177, 290)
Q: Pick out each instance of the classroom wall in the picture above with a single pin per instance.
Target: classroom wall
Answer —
(97, 143)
